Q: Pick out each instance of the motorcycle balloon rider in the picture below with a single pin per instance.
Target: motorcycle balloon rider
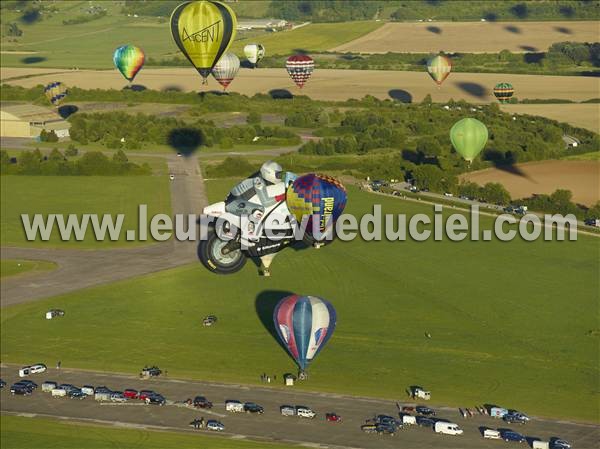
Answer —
(270, 173)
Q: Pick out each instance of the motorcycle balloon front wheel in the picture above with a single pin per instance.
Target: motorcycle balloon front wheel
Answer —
(214, 255)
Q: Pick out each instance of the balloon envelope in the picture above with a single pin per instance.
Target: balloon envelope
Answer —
(226, 69)
(129, 59)
(56, 92)
(300, 68)
(203, 31)
(468, 137)
(503, 91)
(439, 68)
(254, 52)
(304, 325)
(315, 196)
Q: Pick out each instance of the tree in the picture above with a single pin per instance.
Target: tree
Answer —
(120, 158)
(48, 136)
(71, 151)
(427, 101)
(495, 193)
(429, 146)
(254, 118)
(56, 155)
(226, 143)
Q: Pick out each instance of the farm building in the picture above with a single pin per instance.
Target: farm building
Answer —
(27, 120)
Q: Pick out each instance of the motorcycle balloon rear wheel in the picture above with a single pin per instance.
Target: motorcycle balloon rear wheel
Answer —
(211, 255)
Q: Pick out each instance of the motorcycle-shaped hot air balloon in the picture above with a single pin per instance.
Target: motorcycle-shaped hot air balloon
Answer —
(468, 137)
(254, 53)
(203, 31)
(300, 68)
(129, 59)
(226, 69)
(304, 325)
(231, 239)
(503, 92)
(56, 92)
(439, 68)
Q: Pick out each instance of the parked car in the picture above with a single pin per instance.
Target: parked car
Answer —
(333, 417)
(559, 443)
(59, 392)
(30, 385)
(385, 420)
(209, 320)
(424, 421)
(511, 418)
(407, 419)
(53, 313)
(592, 222)
(151, 371)
(49, 385)
(171, 176)
(424, 410)
(102, 395)
(215, 425)
(20, 390)
(102, 389)
(510, 435)
(130, 393)
(156, 399)
(305, 412)
(287, 410)
(251, 407)
(234, 406)
(519, 414)
(144, 394)
(202, 402)
(32, 369)
(88, 390)
(447, 428)
(68, 387)
(2, 384)
(491, 434)
(76, 394)
(408, 409)
(117, 396)
(383, 429)
(448, 194)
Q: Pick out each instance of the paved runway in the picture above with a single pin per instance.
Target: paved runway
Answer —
(271, 425)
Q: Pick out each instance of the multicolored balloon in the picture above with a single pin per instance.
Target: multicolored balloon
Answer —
(254, 53)
(304, 325)
(300, 68)
(203, 31)
(439, 68)
(129, 59)
(56, 92)
(226, 69)
(503, 92)
(468, 137)
(316, 196)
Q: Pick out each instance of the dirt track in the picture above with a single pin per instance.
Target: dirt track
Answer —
(471, 37)
(580, 177)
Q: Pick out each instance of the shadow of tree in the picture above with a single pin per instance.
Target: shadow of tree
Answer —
(563, 30)
(528, 48)
(172, 88)
(533, 58)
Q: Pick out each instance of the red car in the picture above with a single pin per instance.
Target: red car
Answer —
(145, 394)
(130, 393)
(408, 409)
(333, 417)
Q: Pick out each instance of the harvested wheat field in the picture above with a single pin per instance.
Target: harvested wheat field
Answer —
(583, 115)
(471, 37)
(523, 180)
(328, 84)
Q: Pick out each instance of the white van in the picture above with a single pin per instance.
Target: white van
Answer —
(537, 444)
(88, 390)
(25, 371)
(48, 386)
(234, 406)
(305, 412)
(447, 428)
(491, 434)
(59, 392)
(409, 420)
(287, 410)
(102, 395)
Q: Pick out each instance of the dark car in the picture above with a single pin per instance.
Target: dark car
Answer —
(20, 390)
(511, 435)
(559, 443)
(251, 407)
(76, 394)
(389, 429)
(202, 402)
(152, 371)
(156, 399)
(68, 387)
(385, 420)
(2, 383)
(512, 418)
(144, 394)
(28, 384)
(102, 389)
(424, 410)
(424, 421)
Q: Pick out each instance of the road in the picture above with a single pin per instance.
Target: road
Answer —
(270, 426)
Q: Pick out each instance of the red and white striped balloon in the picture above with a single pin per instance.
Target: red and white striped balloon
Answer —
(225, 70)
(300, 68)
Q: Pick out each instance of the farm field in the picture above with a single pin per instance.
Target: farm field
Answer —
(585, 115)
(388, 295)
(470, 37)
(10, 267)
(78, 195)
(27, 433)
(582, 178)
(331, 84)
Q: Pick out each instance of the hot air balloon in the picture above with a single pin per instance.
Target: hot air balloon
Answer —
(316, 195)
(56, 92)
(503, 91)
(129, 59)
(226, 69)
(300, 68)
(304, 325)
(254, 53)
(468, 137)
(439, 68)
(203, 31)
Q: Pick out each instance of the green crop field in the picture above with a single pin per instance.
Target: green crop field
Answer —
(505, 319)
(10, 267)
(27, 433)
(79, 195)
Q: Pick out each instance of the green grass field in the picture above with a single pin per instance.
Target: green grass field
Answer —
(78, 195)
(27, 433)
(593, 156)
(506, 320)
(10, 267)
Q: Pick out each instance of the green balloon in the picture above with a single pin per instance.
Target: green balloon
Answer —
(468, 137)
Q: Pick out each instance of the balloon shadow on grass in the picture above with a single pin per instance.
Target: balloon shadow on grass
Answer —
(505, 163)
(400, 95)
(185, 140)
(135, 88)
(281, 94)
(475, 89)
(490, 16)
(563, 30)
(512, 29)
(434, 29)
(67, 110)
(33, 59)
(31, 16)
(528, 48)
(264, 304)
(172, 88)
(533, 58)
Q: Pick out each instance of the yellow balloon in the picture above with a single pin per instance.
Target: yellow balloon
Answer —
(203, 31)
